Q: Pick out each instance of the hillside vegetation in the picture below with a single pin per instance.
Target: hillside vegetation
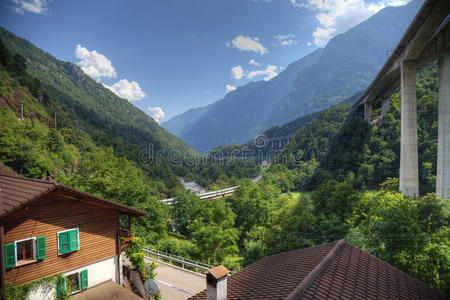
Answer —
(350, 170)
(90, 158)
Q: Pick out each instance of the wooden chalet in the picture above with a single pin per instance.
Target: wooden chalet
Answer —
(50, 228)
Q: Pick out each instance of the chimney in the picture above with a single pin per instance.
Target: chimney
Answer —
(216, 283)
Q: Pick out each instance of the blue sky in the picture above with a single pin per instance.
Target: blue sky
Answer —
(168, 56)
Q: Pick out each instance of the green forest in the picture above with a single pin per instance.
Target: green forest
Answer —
(88, 159)
(337, 178)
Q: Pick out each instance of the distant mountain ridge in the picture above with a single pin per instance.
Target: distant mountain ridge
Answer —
(178, 123)
(315, 82)
(244, 108)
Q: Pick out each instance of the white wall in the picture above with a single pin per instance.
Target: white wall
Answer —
(98, 272)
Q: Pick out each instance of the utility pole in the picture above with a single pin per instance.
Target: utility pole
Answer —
(55, 120)
(21, 110)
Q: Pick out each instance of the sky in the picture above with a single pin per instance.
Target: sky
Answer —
(167, 56)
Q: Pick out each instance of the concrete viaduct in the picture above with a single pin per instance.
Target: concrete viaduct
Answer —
(426, 39)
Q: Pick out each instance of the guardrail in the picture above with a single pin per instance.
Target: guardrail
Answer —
(218, 193)
(178, 259)
(168, 201)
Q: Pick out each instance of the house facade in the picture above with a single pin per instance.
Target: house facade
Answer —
(54, 229)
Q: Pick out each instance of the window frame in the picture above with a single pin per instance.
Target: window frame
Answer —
(24, 262)
(79, 282)
(67, 230)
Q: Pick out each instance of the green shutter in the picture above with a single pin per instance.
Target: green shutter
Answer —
(84, 279)
(73, 240)
(68, 241)
(64, 244)
(10, 255)
(61, 287)
(41, 248)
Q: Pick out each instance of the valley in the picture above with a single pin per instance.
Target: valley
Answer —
(314, 156)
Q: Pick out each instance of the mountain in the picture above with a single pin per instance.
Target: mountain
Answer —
(349, 149)
(80, 101)
(292, 127)
(176, 124)
(348, 64)
(243, 109)
(304, 132)
(317, 81)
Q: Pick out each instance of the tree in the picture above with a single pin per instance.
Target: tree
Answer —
(186, 208)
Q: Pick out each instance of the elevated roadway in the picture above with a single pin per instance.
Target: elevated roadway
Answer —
(426, 39)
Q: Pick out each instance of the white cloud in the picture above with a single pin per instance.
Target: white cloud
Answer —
(285, 40)
(246, 43)
(230, 88)
(127, 90)
(308, 44)
(157, 113)
(94, 64)
(237, 72)
(282, 37)
(33, 6)
(254, 63)
(337, 16)
(288, 42)
(269, 73)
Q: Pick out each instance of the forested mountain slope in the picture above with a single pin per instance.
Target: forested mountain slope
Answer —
(292, 127)
(302, 132)
(109, 119)
(368, 155)
(32, 147)
(362, 154)
(317, 81)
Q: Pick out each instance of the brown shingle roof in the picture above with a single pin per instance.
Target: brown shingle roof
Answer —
(17, 192)
(331, 271)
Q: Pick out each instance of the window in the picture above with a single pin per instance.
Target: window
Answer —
(72, 283)
(25, 251)
(68, 241)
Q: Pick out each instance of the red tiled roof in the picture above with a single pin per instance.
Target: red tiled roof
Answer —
(17, 192)
(331, 271)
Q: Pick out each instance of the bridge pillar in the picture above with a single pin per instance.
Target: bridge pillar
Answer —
(368, 109)
(409, 160)
(385, 105)
(443, 161)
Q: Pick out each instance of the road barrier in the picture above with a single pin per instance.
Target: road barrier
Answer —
(214, 194)
(178, 259)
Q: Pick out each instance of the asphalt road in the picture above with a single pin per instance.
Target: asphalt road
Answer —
(176, 283)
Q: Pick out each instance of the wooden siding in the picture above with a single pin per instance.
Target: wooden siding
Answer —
(58, 211)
